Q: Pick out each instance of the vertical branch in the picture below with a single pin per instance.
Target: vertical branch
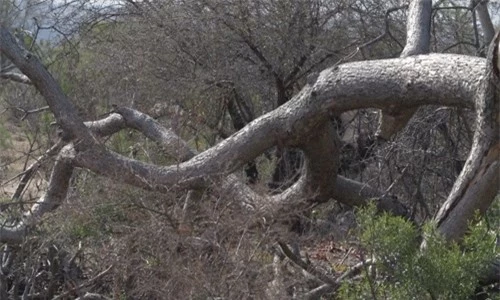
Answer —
(418, 38)
(418, 28)
(485, 20)
(322, 162)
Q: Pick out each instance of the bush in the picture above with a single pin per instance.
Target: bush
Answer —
(402, 271)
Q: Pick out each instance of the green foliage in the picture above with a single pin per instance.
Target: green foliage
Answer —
(403, 271)
(47, 118)
(24, 37)
(80, 230)
(493, 214)
(122, 142)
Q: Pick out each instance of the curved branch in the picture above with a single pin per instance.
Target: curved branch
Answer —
(53, 197)
(175, 146)
(318, 183)
(479, 181)
(64, 111)
(394, 83)
(17, 77)
(104, 127)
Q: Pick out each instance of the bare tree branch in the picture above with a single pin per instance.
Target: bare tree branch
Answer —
(15, 231)
(17, 77)
(64, 111)
(481, 7)
(311, 269)
(418, 28)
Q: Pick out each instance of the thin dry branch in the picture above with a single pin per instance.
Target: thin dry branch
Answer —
(310, 268)
(31, 170)
(329, 288)
(16, 77)
(387, 31)
(79, 288)
(14, 232)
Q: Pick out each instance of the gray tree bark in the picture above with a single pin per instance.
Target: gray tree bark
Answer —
(485, 20)
(418, 39)
(478, 184)
(393, 85)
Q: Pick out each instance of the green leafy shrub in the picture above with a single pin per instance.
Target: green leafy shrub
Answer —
(403, 271)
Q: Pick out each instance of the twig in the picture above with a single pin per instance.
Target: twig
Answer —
(28, 173)
(316, 293)
(396, 181)
(33, 111)
(386, 30)
(355, 270)
(306, 266)
(329, 288)
(83, 285)
(17, 77)
(458, 44)
(92, 296)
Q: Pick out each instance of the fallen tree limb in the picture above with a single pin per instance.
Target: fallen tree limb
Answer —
(393, 84)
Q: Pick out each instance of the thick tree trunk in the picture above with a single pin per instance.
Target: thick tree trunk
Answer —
(478, 183)
(288, 161)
